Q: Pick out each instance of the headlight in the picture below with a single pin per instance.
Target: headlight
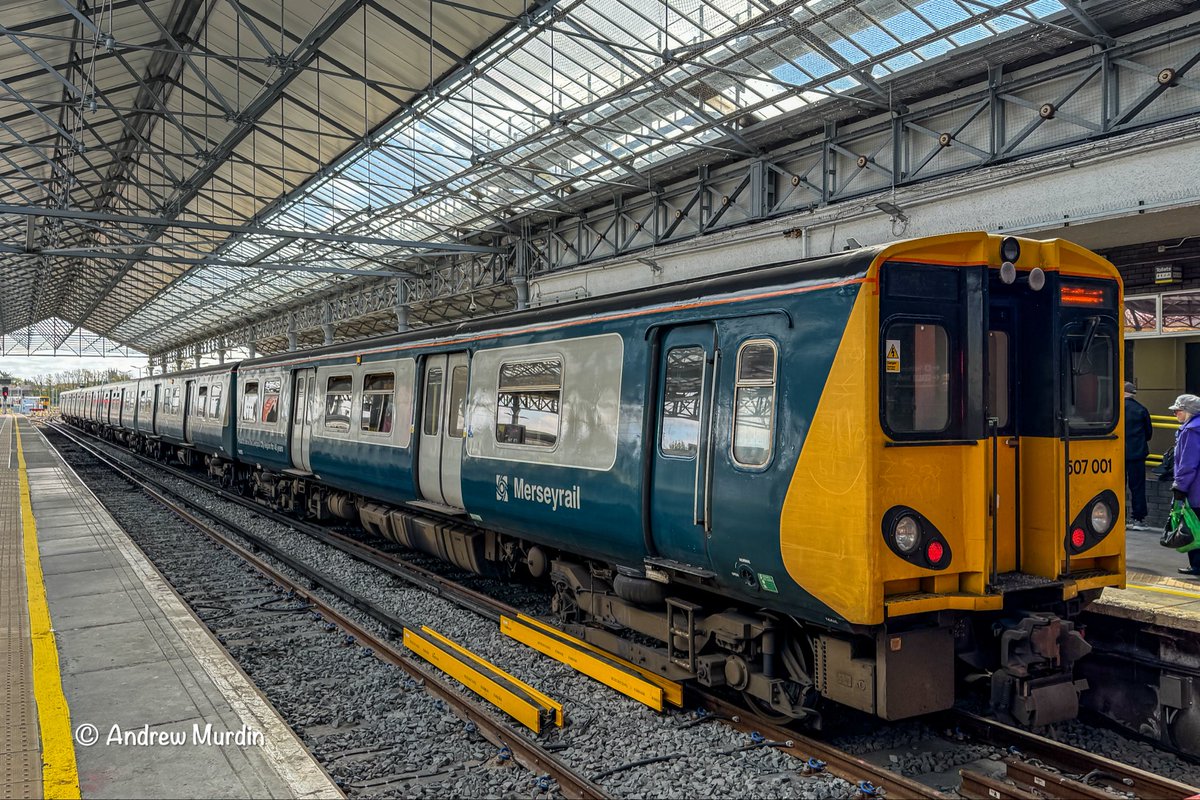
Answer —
(906, 534)
(1101, 517)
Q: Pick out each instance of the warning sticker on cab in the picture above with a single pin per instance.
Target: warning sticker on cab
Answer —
(892, 356)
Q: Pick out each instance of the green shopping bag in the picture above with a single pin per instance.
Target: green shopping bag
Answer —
(1182, 525)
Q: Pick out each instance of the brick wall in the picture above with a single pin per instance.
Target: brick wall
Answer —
(1158, 500)
(1137, 262)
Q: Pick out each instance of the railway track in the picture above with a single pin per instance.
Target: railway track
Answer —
(529, 753)
(1041, 767)
(1049, 769)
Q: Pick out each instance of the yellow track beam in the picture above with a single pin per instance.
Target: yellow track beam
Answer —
(672, 691)
(582, 657)
(522, 702)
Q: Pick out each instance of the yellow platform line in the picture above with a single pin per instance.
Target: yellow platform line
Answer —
(672, 690)
(1164, 590)
(60, 776)
(564, 649)
(522, 709)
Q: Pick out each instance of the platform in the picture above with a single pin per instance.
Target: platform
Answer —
(1155, 592)
(96, 643)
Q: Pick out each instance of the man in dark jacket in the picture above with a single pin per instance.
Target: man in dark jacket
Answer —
(1137, 446)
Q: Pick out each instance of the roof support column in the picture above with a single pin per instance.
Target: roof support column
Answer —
(149, 367)
(327, 322)
(401, 306)
(291, 332)
(196, 354)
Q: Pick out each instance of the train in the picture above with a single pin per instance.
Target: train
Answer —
(869, 478)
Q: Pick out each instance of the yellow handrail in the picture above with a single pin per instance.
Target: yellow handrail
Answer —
(1166, 423)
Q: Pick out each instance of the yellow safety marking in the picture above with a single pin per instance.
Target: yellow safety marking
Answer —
(60, 776)
(672, 690)
(546, 700)
(603, 670)
(1163, 590)
(519, 708)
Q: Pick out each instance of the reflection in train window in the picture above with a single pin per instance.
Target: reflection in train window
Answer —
(683, 386)
(528, 404)
(378, 393)
(754, 404)
(338, 400)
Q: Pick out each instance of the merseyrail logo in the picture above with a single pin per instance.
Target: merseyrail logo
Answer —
(554, 496)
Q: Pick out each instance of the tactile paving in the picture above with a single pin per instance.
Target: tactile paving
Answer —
(20, 751)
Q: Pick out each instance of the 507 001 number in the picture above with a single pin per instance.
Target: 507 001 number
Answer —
(1086, 466)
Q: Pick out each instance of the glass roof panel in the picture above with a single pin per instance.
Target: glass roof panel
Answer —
(581, 98)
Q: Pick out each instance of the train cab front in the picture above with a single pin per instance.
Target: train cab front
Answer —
(1001, 472)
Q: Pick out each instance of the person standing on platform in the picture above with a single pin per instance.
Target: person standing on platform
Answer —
(1138, 431)
(1187, 463)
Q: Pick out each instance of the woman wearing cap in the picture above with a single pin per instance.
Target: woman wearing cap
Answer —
(1187, 463)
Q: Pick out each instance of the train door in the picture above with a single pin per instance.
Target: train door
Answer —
(1004, 448)
(154, 410)
(189, 390)
(304, 388)
(682, 451)
(443, 425)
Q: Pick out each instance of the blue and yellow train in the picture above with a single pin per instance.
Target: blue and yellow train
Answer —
(854, 477)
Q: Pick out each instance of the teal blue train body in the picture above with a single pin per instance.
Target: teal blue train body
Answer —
(647, 455)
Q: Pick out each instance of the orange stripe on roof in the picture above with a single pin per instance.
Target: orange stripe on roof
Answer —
(576, 322)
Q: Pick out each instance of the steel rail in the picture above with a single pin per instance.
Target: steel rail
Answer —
(1121, 777)
(837, 762)
(528, 753)
(483, 605)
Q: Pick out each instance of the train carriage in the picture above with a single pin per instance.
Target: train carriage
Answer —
(835, 478)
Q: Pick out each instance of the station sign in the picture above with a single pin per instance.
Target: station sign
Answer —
(1168, 273)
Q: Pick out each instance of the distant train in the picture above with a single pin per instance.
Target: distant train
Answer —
(846, 477)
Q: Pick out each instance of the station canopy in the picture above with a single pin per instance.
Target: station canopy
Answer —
(168, 167)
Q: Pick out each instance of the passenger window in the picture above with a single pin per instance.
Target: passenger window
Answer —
(214, 401)
(378, 395)
(998, 369)
(433, 401)
(527, 408)
(754, 404)
(683, 385)
(916, 377)
(202, 401)
(145, 403)
(458, 402)
(270, 409)
(175, 400)
(250, 402)
(339, 395)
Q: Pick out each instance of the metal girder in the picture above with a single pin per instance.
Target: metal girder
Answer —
(306, 52)
(132, 221)
(56, 337)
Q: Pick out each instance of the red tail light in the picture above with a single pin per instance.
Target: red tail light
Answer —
(1078, 537)
(934, 552)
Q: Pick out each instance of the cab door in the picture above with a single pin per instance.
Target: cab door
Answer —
(444, 380)
(304, 388)
(681, 484)
(1002, 430)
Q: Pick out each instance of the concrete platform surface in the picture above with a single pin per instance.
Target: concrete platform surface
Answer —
(156, 707)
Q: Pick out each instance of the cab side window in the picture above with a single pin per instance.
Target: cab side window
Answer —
(754, 403)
